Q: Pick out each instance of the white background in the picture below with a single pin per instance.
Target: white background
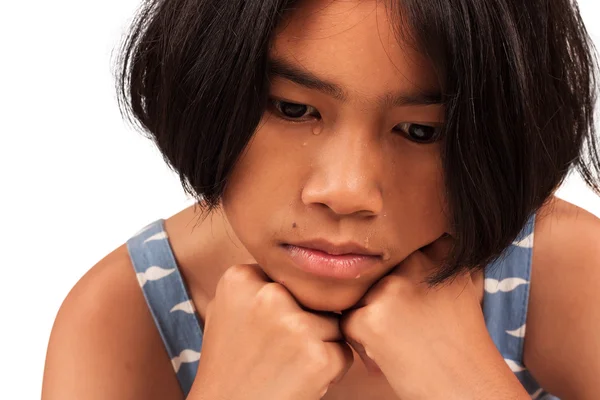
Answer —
(76, 182)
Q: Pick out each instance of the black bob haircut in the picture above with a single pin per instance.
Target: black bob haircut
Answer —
(518, 80)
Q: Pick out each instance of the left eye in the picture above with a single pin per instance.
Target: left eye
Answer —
(419, 133)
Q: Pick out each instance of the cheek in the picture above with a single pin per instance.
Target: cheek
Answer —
(275, 156)
(264, 184)
(416, 208)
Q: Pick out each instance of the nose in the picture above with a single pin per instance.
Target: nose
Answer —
(346, 177)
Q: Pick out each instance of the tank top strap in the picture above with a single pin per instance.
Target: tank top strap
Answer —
(505, 304)
(168, 300)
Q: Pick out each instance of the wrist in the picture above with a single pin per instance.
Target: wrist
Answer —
(496, 382)
(477, 388)
(478, 375)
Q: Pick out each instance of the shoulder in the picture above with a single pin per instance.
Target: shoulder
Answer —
(104, 343)
(562, 345)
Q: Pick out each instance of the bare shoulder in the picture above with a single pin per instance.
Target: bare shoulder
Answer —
(562, 345)
(104, 344)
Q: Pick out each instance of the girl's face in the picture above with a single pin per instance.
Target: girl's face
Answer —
(346, 153)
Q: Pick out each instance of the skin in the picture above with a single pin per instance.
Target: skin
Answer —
(357, 180)
(360, 180)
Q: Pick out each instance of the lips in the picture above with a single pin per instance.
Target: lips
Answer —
(344, 248)
(339, 261)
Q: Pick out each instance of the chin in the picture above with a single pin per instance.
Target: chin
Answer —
(329, 298)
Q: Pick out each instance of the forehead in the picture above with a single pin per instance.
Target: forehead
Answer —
(354, 44)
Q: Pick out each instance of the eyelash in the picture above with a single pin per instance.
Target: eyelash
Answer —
(406, 126)
(276, 104)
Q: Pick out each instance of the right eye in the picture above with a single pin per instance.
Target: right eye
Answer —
(293, 111)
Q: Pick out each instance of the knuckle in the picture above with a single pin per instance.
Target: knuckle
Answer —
(294, 323)
(396, 287)
(270, 294)
(328, 362)
(319, 358)
(235, 275)
(391, 284)
(373, 322)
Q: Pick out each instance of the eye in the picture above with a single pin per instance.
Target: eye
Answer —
(419, 133)
(293, 111)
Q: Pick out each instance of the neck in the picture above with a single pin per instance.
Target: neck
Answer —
(204, 246)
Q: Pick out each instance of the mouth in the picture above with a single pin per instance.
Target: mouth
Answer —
(339, 261)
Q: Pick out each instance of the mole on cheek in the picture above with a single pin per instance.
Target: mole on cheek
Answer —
(294, 225)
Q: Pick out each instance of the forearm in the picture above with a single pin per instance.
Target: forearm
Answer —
(454, 373)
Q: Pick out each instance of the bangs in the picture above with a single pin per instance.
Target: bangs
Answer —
(518, 81)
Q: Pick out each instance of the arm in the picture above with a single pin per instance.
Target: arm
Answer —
(562, 346)
(104, 344)
(429, 342)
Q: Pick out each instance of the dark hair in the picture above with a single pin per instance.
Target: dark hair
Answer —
(518, 80)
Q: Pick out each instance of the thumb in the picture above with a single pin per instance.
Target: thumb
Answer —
(372, 367)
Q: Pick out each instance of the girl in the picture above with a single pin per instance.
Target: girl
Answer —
(375, 215)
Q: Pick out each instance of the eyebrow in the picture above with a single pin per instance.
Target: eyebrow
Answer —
(295, 73)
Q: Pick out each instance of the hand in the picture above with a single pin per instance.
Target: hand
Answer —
(430, 343)
(260, 344)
